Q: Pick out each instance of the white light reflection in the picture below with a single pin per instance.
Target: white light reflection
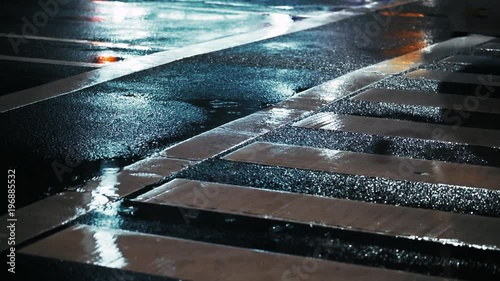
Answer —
(281, 46)
(106, 191)
(108, 250)
(280, 23)
(113, 15)
(119, 11)
(194, 16)
(328, 121)
(105, 244)
(334, 156)
(334, 89)
(284, 7)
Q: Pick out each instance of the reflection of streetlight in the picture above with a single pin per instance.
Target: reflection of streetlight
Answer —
(106, 59)
(106, 189)
(109, 253)
(118, 11)
(279, 24)
(417, 40)
(113, 14)
(104, 243)
(406, 15)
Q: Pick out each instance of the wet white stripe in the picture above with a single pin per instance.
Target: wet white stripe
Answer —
(120, 69)
(195, 261)
(364, 164)
(401, 128)
(82, 41)
(440, 100)
(47, 61)
(383, 219)
(47, 214)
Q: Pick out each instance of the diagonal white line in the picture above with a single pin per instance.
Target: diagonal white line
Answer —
(82, 41)
(47, 61)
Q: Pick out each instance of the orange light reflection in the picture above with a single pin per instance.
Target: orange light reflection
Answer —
(106, 59)
(408, 15)
(417, 39)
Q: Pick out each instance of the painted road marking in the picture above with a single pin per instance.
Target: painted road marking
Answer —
(475, 60)
(232, 134)
(123, 68)
(202, 146)
(191, 260)
(208, 144)
(59, 209)
(391, 220)
(136, 176)
(401, 128)
(48, 61)
(372, 165)
(456, 77)
(84, 42)
(440, 100)
(46, 215)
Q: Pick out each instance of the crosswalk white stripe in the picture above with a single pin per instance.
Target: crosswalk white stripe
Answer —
(196, 261)
(371, 165)
(397, 221)
(441, 100)
(401, 128)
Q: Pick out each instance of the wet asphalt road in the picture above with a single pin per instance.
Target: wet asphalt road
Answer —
(116, 123)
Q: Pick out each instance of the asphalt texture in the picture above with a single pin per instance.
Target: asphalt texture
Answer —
(126, 119)
(118, 122)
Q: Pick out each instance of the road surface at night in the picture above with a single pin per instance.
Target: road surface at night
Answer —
(250, 140)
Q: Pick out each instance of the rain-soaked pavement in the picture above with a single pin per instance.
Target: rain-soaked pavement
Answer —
(67, 140)
(143, 200)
